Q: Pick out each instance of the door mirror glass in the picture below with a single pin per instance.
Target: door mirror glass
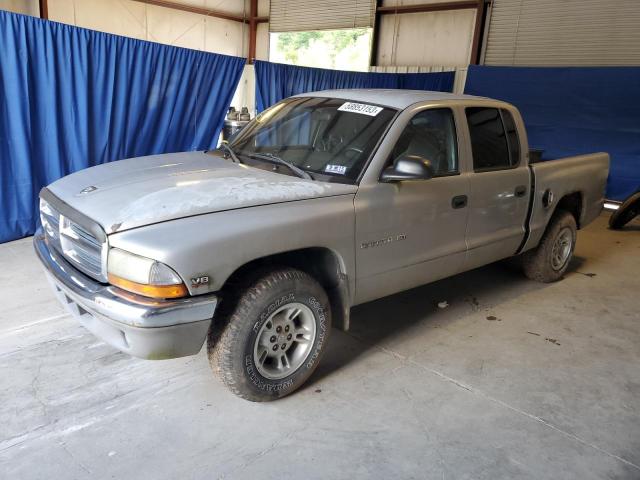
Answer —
(408, 167)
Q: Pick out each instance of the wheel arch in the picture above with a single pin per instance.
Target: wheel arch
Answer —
(572, 203)
(324, 264)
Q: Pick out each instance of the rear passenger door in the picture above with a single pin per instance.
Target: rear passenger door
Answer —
(498, 187)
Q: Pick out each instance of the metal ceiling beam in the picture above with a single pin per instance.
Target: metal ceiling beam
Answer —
(427, 7)
(203, 11)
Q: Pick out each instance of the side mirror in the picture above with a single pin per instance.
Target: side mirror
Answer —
(409, 167)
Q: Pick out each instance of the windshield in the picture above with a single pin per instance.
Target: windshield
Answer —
(324, 136)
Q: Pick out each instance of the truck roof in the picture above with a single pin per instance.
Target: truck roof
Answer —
(394, 98)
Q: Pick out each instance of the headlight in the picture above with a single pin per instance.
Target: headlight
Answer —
(143, 275)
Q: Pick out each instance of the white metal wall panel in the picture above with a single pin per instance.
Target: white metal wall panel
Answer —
(430, 38)
(26, 7)
(156, 24)
(301, 15)
(564, 32)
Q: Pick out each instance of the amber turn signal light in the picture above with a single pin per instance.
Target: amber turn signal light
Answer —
(153, 291)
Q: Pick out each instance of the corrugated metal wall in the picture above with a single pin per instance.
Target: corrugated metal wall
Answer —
(301, 15)
(564, 32)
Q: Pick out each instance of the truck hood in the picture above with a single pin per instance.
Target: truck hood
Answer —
(140, 191)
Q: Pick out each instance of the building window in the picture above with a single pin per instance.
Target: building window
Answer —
(347, 49)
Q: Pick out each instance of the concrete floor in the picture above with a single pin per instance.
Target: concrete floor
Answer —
(513, 380)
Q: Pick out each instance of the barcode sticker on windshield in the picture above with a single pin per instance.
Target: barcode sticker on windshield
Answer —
(362, 108)
(339, 169)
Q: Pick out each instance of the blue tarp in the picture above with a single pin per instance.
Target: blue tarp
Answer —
(574, 110)
(275, 81)
(71, 98)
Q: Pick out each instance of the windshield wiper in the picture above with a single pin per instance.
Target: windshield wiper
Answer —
(270, 157)
(227, 148)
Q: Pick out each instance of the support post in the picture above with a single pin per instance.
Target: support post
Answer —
(253, 30)
(44, 9)
(375, 36)
(478, 30)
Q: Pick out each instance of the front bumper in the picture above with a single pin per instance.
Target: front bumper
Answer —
(140, 326)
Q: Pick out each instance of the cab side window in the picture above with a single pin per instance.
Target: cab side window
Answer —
(490, 143)
(431, 134)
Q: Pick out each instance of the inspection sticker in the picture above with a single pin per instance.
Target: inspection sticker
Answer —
(339, 169)
(362, 108)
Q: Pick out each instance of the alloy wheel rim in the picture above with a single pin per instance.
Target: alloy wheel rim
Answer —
(561, 250)
(284, 341)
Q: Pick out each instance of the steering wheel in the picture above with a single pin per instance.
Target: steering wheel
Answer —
(331, 142)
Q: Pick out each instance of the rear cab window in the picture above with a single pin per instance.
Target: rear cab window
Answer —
(494, 139)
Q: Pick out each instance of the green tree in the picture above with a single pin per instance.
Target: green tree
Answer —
(294, 44)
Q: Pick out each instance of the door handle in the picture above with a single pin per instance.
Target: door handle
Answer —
(520, 191)
(459, 201)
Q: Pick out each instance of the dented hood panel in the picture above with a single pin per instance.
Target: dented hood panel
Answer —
(140, 191)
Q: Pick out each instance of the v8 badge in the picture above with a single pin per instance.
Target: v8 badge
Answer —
(200, 281)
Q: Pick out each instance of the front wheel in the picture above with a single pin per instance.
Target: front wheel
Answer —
(549, 261)
(272, 338)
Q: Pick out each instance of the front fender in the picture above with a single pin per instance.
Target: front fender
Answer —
(217, 244)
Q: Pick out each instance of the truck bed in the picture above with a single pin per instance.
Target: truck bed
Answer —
(584, 175)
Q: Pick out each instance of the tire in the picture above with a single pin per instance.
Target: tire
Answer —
(627, 212)
(247, 343)
(550, 259)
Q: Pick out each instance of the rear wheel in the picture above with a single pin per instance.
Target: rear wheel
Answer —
(550, 260)
(272, 337)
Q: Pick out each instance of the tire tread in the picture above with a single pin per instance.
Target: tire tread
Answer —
(535, 262)
(226, 330)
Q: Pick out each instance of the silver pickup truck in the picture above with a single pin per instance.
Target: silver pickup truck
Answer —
(324, 201)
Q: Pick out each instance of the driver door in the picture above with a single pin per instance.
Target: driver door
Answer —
(412, 232)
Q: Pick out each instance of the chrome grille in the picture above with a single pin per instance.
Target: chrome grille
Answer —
(50, 220)
(78, 245)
